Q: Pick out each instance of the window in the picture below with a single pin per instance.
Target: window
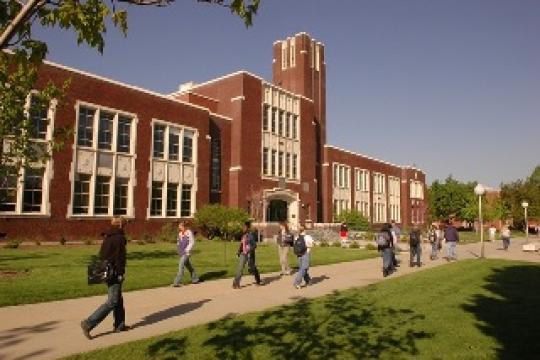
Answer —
(96, 193)
(266, 109)
(288, 165)
(294, 134)
(274, 119)
(186, 201)
(8, 191)
(265, 161)
(284, 56)
(101, 198)
(280, 124)
(174, 145)
(105, 130)
(280, 164)
(293, 54)
(39, 118)
(85, 126)
(215, 148)
(123, 142)
(172, 199)
(121, 191)
(81, 194)
(157, 198)
(336, 175)
(274, 163)
(159, 141)
(33, 190)
(187, 151)
(295, 166)
(288, 125)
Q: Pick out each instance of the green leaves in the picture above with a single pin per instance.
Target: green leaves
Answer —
(354, 220)
(245, 9)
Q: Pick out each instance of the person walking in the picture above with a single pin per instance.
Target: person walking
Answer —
(284, 242)
(184, 244)
(246, 254)
(302, 248)
(492, 232)
(415, 246)
(505, 235)
(452, 238)
(113, 251)
(385, 246)
(395, 232)
(434, 241)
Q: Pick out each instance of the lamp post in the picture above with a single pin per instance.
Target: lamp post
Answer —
(479, 190)
(525, 205)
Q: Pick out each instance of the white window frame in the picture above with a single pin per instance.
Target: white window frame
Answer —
(95, 153)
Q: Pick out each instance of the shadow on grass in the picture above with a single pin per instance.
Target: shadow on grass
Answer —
(336, 326)
(211, 275)
(168, 349)
(511, 315)
(170, 312)
(154, 254)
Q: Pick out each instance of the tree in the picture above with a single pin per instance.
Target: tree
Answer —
(514, 193)
(21, 55)
(452, 198)
(218, 220)
(354, 219)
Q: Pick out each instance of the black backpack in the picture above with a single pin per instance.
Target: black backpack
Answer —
(414, 238)
(300, 246)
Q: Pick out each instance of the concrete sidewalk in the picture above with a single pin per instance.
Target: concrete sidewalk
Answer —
(51, 330)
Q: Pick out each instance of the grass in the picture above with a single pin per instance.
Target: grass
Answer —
(473, 309)
(37, 274)
(468, 237)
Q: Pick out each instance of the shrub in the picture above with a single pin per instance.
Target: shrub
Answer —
(324, 243)
(371, 247)
(89, 241)
(354, 245)
(336, 244)
(141, 242)
(13, 244)
(217, 220)
(37, 242)
(354, 220)
(167, 233)
(144, 238)
(63, 240)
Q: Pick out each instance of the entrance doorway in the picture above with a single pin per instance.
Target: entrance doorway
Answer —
(276, 211)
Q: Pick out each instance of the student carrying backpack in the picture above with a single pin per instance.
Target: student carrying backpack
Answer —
(415, 246)
(301, 247)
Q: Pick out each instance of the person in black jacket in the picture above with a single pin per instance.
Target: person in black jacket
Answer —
(387, 250)
(113, 250)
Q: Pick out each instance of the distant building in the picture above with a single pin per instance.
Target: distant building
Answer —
(238, 140)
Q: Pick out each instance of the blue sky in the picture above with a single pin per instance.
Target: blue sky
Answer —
(451, 86)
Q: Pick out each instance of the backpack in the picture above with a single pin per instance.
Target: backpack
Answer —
(414, 238)
(382, 239)
(300, 246)
(252, 242)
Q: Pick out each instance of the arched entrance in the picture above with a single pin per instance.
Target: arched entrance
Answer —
(281, 205)
(277, 210)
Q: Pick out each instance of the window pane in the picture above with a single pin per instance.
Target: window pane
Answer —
(174, 144)
(295, 166)
(280, 164)
(265, 117)
(280, 124)
(288, 165)
(186, 201)
(121, 191)
(159, 138)
(157, 199)
(187, 150)
(124, 134)
(8, 191)
(274, 119)
(294, 127)
(33, 190)
(172, 199)
(101, 198)
(85, 126)
(105, 130)
(265, 161)
(38, 117)
(81, 194)
(216, 163)
(274, 162)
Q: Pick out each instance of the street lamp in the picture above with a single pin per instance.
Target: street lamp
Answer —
(479, 190)
(525, 205)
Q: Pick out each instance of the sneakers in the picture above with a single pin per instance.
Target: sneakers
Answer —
(86, 329)
(122, 328)
(297, 287)
(235, 286)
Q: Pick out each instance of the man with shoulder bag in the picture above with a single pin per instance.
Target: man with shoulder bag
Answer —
(113, 252)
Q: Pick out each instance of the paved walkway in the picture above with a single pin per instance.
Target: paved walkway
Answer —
(51, 330)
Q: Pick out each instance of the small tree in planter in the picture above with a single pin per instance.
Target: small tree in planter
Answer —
(354, 219)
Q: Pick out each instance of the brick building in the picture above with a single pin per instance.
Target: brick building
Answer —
(238, 140)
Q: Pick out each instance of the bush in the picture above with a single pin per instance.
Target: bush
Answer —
(217, 220)
(13, 244)
(63, 240)
(371, 247)
(167, 233)
(141, 242)
(354, 245)
(145, 238)
(324, 244)
(354, 220)
(336, 244)
(89, 242)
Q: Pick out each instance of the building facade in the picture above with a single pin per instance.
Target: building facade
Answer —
(238, 140)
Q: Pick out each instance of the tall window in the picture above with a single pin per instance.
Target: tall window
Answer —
(186, 201)
(104, 163)
(295, 127)
(172, 199)
(174, 145)
(288, 166)
(85, 132)
(159, 141)
(215, 145)
(265, 161)
(39, 118)
(156, 207)
(280, 123)
(187, 153)
(8, 191)
(266, 109)
(33, 190)
(274, 163)
(274, 119)
(280, 164)
(295, 166)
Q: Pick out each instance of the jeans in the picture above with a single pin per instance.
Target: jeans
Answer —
(387, 255)
(451, 250)
(185, 262)
(252, 268)
(283, 252)
(416, 250)
(434, 249)
(114, 303)
(303, 267)
(506, 243)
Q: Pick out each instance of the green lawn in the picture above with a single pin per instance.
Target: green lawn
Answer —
(40, 273)
(473, 309)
